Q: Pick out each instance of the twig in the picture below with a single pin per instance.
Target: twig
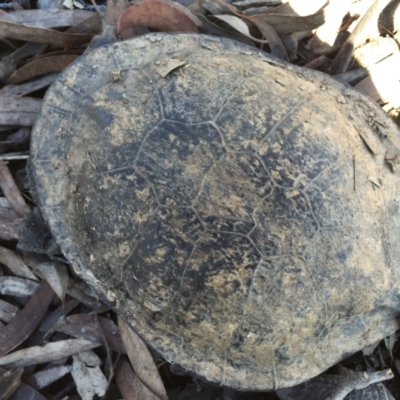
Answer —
(18, 155)
(359, 380)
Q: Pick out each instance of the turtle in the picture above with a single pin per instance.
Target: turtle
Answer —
(240, 213)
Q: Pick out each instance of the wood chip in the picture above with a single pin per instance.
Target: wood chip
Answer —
(46, 377)
(90, 380)
(50, 352)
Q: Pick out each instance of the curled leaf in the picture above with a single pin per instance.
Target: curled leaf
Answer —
(239, 25)
(164, 15)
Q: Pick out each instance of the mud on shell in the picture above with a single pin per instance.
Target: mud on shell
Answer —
(227, 208)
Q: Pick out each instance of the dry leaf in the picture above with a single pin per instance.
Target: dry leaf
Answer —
(77, 291)
(54, 272)
(91, 25)
(29, 87)
(9, 228)
(9, 382)
(14, 262)
(9, 308)
(6, 210)
(11, 191)
(130, 386)
(274, 41)
(13, 286)
(239, 25)
(166, 66)
(47, 18)
(90, 380)
(142, 360)
(19, 111)
(164, 15)
(42, 66)
(50, 352)
(287, 24)
(59, 313)
(26, 392)
(27, 319)
(85, 326)
(41, 35)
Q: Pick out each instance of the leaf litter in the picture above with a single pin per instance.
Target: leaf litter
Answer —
(93, 351)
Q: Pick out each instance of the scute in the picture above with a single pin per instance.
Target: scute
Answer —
(230, 209)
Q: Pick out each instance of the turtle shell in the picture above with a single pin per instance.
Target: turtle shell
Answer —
(241, 213)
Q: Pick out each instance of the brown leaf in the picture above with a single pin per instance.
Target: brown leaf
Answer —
(164, 15)
(41, 379)
(41, 66)
(10, 62)
(11, 191)
(286, 24)
(19, 111)
(142, 360)
(9, 228)
(41, 35)
(91, 25)
(130, 386)
(47, 18)
(77, 290)
(13, 286)
(58, 313)
(9, 382)
(27, 319)
(84, 326)
(274, 41)
(50, 352)
(54, 272)
(14, 262)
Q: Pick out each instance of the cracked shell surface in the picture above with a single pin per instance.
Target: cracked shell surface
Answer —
(238, 212)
